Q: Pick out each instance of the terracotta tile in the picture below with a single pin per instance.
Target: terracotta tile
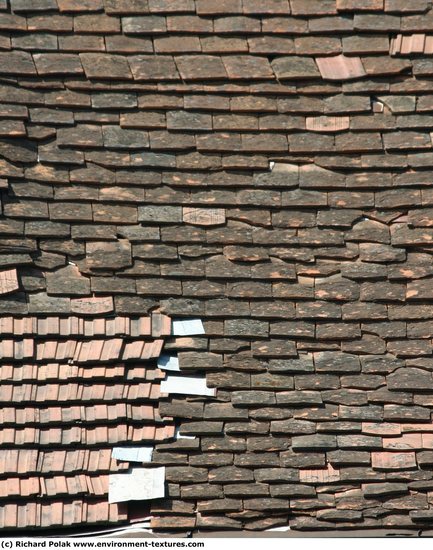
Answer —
(133, 350)
(328, 475)
(65, 327)
(404, 442)
(417, 427)
(10, 515)
(94, 351)
(56, 514)
(327, 124)
(28, 515)
(13, 486)
(8, 415)
(427, 441)
(7, 326)
(111, 349)
(393, 461)
(396, 44)
(203, 217)
(88, 327)
(27, 461)
(30, 486)
(53, 325)
(110, 327)
(120, 324)
(99, 327)
(8, 281)
(140, 326)
(428, 46)
(7, 372)
(381, 428)
(412, 44)
(7, 349)
(75, 326)
(340, 67)
(152, 350)
(165, 432)
(92, 306)
(161, 325)
(81, 484)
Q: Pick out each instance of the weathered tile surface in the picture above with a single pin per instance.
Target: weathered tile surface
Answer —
(259, 168)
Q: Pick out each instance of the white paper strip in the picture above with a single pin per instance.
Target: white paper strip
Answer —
(186, 385)
(168, 362)
(137, 484)
(187, 327)
(132, 454)
(178, 435)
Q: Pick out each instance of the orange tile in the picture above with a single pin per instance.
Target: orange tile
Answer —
(7, 349)
(161, 325)
(30, 486)
(340, 67)
(13, 486)
(152, 350)
(133, 350)
(7, 326)
(427, 440)
(111, 349)
(428, 46)
(404, 442)
(92, 306)
(396, 44)
(326, 475)
(393, 461)
(56, 513)
(10, 516)
(8, 281)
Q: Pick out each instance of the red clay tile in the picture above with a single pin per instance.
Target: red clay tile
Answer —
(7, 326)
(204, 216)
(13, 486)
(152, 350)
(393, 461)
(381, 428)
(161, 325)
(327, 124)
(340, 67)
(412, 44)
(133, 350)
(404, 442)
(111, 349)
(8, 281)
(92, 306)
(428, 46)
(328, 475)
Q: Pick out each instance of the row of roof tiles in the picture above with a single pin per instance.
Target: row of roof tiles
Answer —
(207, 7)
(78, 326)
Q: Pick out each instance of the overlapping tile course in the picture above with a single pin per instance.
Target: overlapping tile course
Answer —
(63, 411)
(265, 166)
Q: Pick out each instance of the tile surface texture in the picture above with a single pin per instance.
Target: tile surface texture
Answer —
(261, 172)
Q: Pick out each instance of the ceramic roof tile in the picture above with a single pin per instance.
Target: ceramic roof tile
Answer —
(281, 146)
(8, 281)
(340, 67)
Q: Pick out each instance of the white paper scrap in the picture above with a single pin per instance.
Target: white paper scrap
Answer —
(178, 435)
(168, 362)
(187, 327)
(137, 484)
(132, 454)
(186, 385)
